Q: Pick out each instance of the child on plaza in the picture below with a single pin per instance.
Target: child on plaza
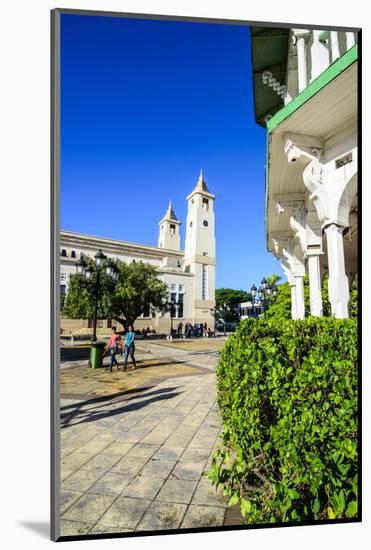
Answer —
(129, 347)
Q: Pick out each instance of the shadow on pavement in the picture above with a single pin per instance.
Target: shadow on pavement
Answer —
(104, 398)
(74, 354)
(92, 415)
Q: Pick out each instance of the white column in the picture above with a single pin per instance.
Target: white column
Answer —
(338, 286)
(319, 55)
(314, 271)
(302, 62)
(299, 291)
(294, 313)
(350, 40)
(335, 52)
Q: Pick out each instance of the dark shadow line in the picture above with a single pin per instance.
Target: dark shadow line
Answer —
(97, 416)
(103, 398)
(77, 410)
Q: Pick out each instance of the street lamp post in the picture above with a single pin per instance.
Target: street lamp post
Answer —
(101, 264)
(264, 293)
(224, 316)
(172, 311)
(253, 295)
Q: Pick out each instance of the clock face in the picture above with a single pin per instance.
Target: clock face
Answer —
(205, 223)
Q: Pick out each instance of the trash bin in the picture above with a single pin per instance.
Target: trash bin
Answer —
(96, 355)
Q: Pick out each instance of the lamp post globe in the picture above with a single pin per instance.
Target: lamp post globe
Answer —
(110, 269)
(88, 273)
(253, 291)
(264, 283)
(99, 257)
(80, 267)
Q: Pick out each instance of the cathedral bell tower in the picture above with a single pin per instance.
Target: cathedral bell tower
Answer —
(200, 250)
(169, 235)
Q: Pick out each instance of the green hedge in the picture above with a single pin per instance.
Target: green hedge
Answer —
(287, 392)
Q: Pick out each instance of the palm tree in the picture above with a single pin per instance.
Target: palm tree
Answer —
(273, 279)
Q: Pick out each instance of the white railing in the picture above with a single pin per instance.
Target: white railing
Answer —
(310, 53)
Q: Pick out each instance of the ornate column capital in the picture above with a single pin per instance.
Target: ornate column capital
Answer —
(300, 33)
(302, 148)
(288, 202)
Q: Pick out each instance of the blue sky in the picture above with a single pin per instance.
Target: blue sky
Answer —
(146, 104)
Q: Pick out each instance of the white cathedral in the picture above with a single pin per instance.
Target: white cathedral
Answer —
(189, 274)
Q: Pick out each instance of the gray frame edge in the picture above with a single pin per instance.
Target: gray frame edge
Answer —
(55, 269)
(195, 19)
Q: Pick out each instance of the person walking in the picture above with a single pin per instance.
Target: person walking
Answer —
(129, 347)
(114, 346)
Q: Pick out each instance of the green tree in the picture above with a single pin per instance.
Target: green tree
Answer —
(230, 297)
(137, 289)
(273, 279)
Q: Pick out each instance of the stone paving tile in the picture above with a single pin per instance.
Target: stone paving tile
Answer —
(74, 527)
(156, 436)
(118, 448)
(168, 453)
(176, 490)
(130, 465)
(207, 495)
(132, 436)
(199, 441)
(188, 470)
(126, 513)
(203, 516)
(94, 446)
(75, 460)
(68, 447)
(162, 515)
(110, 483)
(99, 529)
(195, 454)
(67, 498)
(181, 437)
(101, 462)
(158, 468)
(142, 450)
(81, 480)
(89, 508)
(107, 435)
(143, 486)
(65, 473)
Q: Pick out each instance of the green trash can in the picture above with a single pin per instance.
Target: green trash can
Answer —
(96, 355)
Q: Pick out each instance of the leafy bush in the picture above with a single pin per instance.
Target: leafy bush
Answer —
(287, 392)
(281, 305)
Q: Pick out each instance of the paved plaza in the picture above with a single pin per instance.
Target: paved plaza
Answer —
(135, 444)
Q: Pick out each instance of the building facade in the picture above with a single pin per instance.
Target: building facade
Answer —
(189, 274)
(305, 95)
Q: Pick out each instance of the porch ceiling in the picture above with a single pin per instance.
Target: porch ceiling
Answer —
(322, 116)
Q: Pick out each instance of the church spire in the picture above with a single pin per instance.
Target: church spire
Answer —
(170, 214)
(201, 183)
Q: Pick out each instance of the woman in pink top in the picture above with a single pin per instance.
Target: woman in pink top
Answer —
(114, 346)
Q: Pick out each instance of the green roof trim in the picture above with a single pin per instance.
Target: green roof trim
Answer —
(269, 51)
(339, 66)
